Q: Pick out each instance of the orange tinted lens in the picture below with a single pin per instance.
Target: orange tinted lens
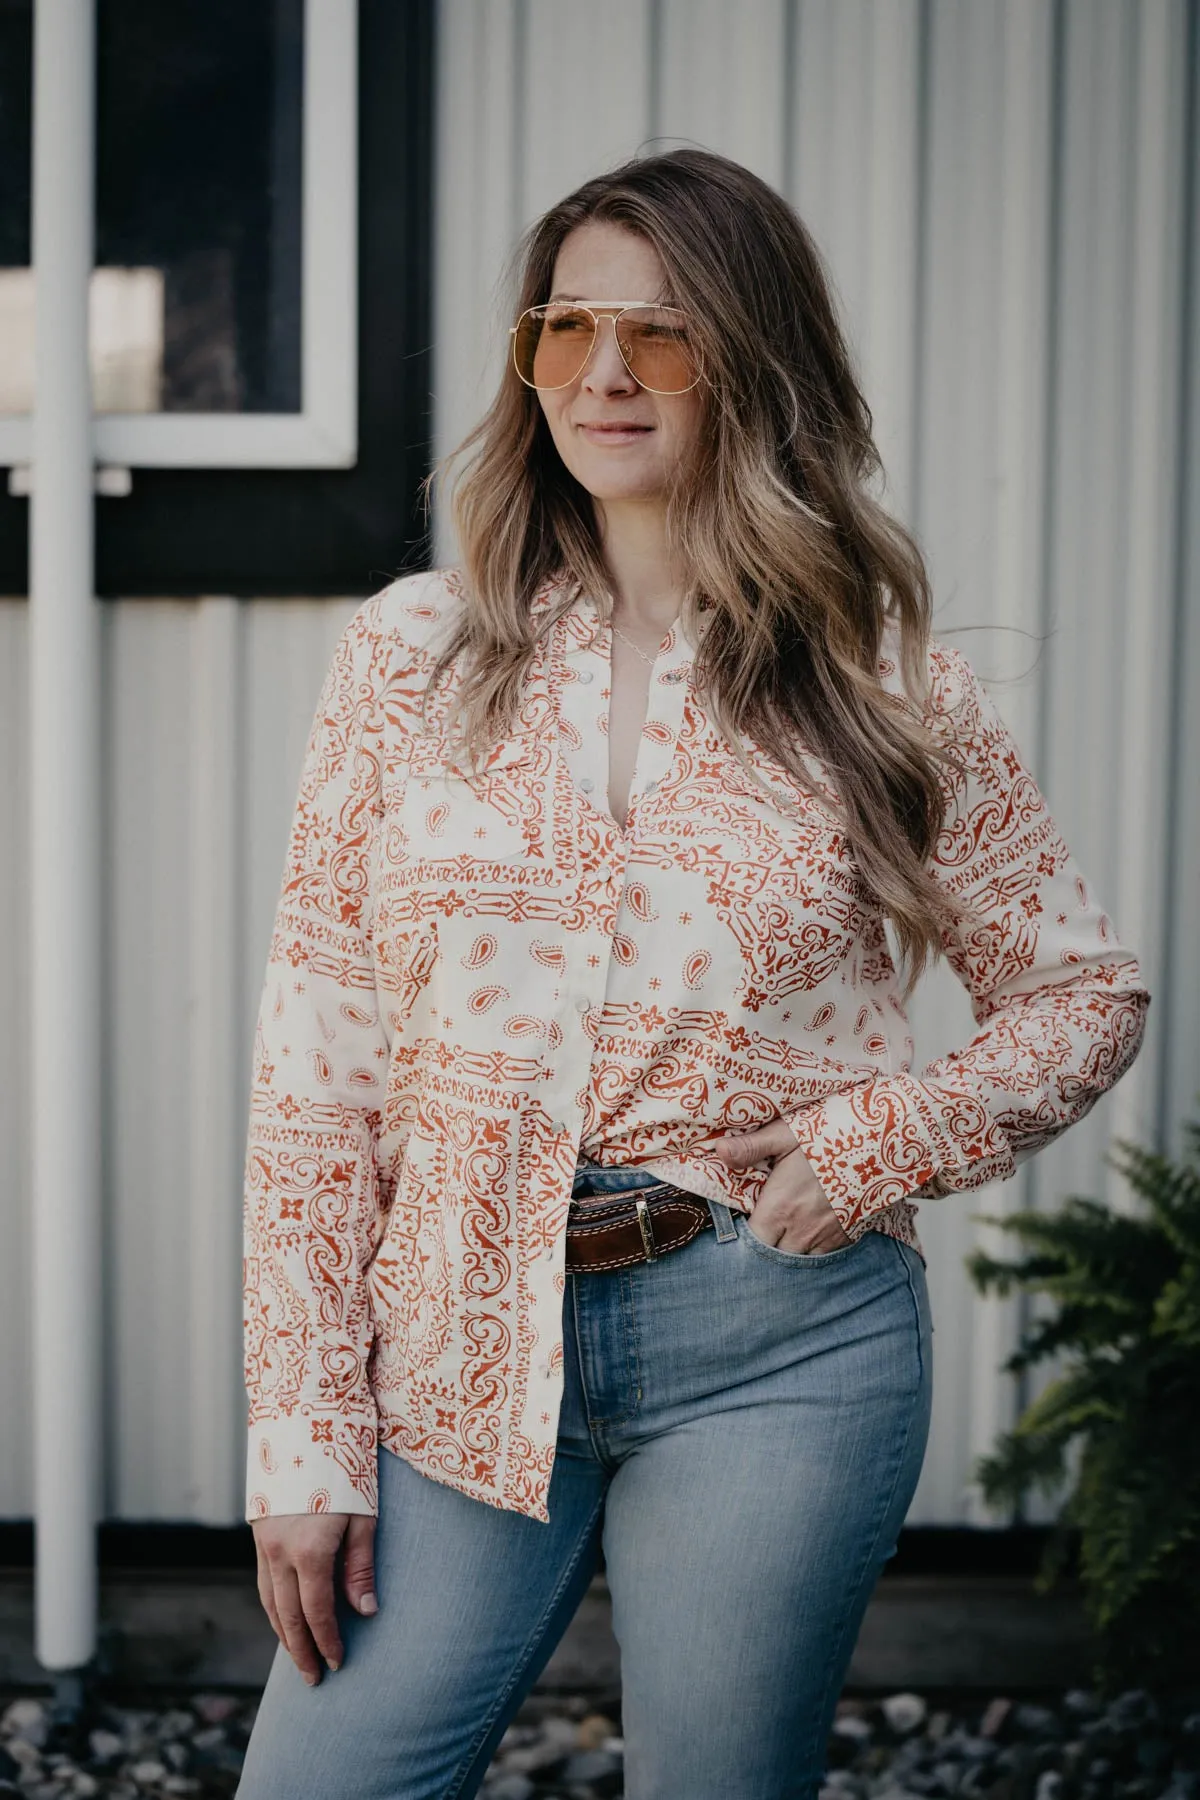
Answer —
(552, 344)
(656, 345)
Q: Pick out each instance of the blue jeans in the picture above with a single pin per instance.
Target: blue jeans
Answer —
(742, 1428)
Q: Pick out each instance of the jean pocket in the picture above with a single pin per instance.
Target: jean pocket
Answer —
(799, 1259)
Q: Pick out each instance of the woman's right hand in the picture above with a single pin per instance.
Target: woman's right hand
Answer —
(296, 1557)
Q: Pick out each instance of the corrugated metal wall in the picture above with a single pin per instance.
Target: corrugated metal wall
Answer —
(1007, 193)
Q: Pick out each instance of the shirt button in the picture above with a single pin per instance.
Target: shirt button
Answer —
(587, 784)
(650, 786)
(582, 1006)
(673, 675)
(557, 1126)
(584, 675)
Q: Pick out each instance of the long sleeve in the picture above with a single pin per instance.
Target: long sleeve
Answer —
(313, 1207)
(1059, 1002)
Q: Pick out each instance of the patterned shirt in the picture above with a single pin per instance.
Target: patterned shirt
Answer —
(476, 977)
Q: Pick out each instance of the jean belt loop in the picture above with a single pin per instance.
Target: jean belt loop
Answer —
(722, 1218)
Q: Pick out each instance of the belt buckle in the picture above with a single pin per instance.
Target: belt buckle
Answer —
(643, 1219)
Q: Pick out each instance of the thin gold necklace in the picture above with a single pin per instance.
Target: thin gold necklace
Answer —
(637, 650)
(648, 660)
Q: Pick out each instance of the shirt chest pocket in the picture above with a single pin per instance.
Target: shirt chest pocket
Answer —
(455, 816)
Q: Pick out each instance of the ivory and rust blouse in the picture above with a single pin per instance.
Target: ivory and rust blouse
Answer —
(475, 978)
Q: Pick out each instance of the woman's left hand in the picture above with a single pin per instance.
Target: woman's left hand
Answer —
(791, 1211)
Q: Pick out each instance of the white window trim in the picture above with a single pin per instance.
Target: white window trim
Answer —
(324, 433)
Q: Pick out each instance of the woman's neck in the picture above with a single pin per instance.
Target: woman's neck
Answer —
(647, 583)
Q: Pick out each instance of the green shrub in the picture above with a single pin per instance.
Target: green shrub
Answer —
(1122, 1419)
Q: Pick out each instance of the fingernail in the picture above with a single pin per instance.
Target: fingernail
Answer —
(330, 1664)
(368, 1604)
(312, 1680)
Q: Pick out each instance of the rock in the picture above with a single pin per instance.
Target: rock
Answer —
(509, 1787)
(174, 1723)
(149, 1771)
(517, 1737)
(1132, 1710)
(591, 1766)
(177, 1756)
(1049, 1785)
(27, 1756)
(554, 1741)
(221, 1759)
(26, 1719)
(1081, 1703)
(214, 1709)
(994, 1715)
(180, 1784)
(84, 1786)
(853, 1728)
(975, 1749)
(593, 1731)
(1036, 1721)
(104, 1745)
(904, 1712)
(937, 1727)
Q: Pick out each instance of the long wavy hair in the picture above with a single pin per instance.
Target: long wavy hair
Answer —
(797, 567)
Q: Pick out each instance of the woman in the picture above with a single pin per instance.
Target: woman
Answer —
(584, 1146)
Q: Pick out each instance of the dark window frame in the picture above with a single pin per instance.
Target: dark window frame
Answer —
(263, 533)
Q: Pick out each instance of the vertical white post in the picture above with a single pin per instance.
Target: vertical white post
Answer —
(65, 796)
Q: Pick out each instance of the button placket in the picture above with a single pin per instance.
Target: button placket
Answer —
(584, 990)
(582, 669)
(590, 966)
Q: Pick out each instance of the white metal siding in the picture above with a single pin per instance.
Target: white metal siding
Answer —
(1002, 190)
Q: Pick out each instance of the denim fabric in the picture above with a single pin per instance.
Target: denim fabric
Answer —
(742, 1427)
(593, 1180)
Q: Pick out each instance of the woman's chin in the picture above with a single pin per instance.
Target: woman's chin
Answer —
(602, 486)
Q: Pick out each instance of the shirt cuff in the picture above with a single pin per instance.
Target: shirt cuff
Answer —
(896, 1138)
(313, 1461)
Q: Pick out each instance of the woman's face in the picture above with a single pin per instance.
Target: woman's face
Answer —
(600, 262)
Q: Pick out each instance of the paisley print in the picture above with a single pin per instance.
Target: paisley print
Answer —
(475, 975)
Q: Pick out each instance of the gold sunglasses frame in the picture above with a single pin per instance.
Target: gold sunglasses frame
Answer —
(622, 306)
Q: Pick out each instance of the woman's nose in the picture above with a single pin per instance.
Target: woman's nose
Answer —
(605, 368)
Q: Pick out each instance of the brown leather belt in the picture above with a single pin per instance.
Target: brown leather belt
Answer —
(632, 1227)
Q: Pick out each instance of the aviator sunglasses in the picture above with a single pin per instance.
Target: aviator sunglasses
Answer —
(551, 344)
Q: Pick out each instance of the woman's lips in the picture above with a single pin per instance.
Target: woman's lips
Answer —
(616, 434)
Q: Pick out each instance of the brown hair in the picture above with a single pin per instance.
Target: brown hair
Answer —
(798, 567)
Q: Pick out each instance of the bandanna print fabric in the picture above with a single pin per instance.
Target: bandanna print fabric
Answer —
(477, 976)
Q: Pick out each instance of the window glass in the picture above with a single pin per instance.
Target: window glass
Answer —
(195, 300)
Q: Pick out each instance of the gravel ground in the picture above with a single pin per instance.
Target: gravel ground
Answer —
(568, 1747)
